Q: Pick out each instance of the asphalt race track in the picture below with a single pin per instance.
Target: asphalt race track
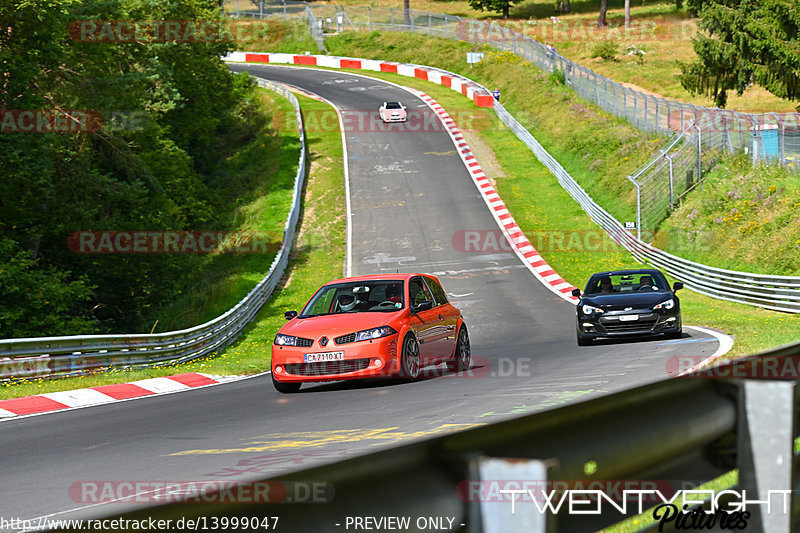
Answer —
(410, 195)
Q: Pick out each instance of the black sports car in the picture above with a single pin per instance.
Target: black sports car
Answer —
(628, 303)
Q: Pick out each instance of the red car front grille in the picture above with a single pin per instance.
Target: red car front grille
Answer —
(327, 368)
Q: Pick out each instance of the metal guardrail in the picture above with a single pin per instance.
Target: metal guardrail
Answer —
(780, 141)
(675, 434)
(778, 293)
(71, 355)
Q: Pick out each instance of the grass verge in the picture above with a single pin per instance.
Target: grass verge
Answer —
(269, 163)
(317, 257)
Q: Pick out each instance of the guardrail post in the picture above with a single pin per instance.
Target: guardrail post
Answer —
(521, 515)
(766, 451)
(370, 17)
(261, 9)
(638, 207)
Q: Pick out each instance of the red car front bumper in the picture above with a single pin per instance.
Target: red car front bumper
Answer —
(365, 359)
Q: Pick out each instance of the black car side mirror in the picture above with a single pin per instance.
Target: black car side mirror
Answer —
(576, 293)
(677, 286)
(290, 314)
(422, 306)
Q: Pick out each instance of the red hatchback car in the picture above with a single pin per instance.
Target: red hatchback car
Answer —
(370, 326)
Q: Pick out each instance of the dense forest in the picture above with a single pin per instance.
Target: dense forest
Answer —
(140, 121)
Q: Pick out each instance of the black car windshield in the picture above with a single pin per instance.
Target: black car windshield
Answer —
(382, 296)
(626, 282)
(393, 105)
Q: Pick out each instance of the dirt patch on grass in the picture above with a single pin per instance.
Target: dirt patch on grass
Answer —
(485, 156)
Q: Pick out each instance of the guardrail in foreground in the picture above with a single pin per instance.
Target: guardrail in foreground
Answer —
(68, 355)
(673, 435)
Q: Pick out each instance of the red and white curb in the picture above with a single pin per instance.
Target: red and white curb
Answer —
(58, 401)
(465, 86)
(521, 245)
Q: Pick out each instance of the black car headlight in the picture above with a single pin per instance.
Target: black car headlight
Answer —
(374, 333)
(589, 309)
(285, 340)
(668, 304)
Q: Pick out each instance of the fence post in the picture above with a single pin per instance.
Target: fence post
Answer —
(429, 22)
(261, 9)
(370, 17)
(658, 122)
(766, 450)
(669, 118)
(391, 9)
(625, 101)
(699, 155)
(671, 183)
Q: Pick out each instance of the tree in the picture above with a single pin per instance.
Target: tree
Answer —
(627, 13)
(601, 20)
(496, 6)
(745, 42)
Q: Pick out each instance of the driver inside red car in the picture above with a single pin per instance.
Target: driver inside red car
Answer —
(394, 292)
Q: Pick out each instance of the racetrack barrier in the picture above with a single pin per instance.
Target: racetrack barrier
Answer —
(777, 293)
(672, 436)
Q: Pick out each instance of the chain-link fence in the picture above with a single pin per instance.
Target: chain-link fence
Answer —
(672, 172)
(698, 134)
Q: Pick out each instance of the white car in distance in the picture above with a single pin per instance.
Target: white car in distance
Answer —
(393, 112)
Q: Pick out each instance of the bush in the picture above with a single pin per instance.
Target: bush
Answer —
(606, 50)
(636, 51)
(556, 77)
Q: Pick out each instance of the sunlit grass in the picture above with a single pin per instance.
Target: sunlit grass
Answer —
(574, 245)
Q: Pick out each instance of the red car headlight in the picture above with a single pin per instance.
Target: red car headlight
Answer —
(285, 340)
(374, 333)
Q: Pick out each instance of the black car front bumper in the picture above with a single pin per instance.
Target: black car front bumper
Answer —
(647, 322)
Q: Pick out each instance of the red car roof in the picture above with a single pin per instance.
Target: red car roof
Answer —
(403, 276)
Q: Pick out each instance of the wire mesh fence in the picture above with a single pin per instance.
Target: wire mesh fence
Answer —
(697, 134)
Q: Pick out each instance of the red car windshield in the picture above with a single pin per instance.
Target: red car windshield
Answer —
(356, 297)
